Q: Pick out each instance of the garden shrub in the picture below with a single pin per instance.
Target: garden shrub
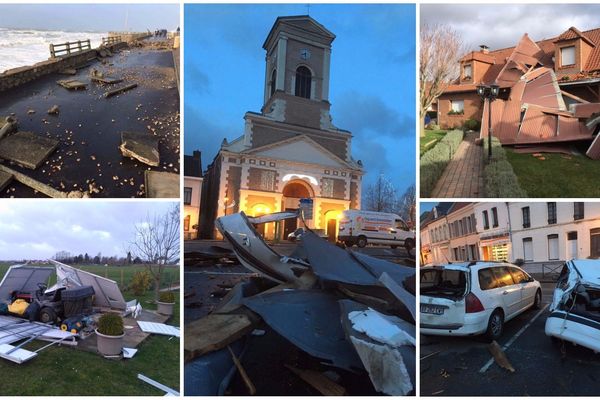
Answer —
(434, 161)
(141, 282)
(499, 176)
(110, 324)
(472, 124)
(166, 297)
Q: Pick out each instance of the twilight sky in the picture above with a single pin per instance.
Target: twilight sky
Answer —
(372, 87)
(90, 17)
(38, 229)
(502, 25)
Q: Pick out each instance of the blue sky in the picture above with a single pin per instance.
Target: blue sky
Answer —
(372, 88)
(90, 17)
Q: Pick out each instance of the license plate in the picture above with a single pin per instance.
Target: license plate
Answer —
(432, 309)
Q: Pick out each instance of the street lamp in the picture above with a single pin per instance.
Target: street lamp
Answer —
(489, 92)
(225, 205)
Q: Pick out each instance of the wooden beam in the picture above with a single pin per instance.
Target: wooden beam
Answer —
(32, 183)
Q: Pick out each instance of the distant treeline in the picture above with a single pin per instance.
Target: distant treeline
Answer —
(68, 258)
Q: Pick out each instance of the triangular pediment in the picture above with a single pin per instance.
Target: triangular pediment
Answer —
(300, 149)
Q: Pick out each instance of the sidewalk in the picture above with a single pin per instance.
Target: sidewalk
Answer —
(463, 177)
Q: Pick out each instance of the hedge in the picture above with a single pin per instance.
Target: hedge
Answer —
(434, 161)
(499, 176)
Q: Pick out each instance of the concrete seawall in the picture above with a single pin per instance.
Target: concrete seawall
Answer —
(18, 76)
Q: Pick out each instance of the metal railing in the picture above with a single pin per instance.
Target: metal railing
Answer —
(68, 48)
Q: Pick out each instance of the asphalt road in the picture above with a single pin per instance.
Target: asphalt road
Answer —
(450, 366)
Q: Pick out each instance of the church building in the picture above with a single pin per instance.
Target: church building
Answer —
(290, 150)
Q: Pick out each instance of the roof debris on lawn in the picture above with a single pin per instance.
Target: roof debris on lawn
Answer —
(346, 309)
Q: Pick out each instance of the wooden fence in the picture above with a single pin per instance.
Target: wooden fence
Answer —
(65, 49)
(107, 41)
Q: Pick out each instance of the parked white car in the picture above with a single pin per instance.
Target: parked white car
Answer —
(474, 298)
(575, 309)
(360, 228)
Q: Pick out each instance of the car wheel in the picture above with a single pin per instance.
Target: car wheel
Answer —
(495, 325)
(47, 314)
(394, 246)
(409, 244)
(362, 241)
(537, 302)
(348, 243)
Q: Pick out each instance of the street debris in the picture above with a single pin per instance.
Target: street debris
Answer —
(97, 76)
(164, 185)
(140, 146)
(27, 149)
(330, 302)
(120, 90)
(168, 391)
(72, 84)
(500, 356)
(54, 110)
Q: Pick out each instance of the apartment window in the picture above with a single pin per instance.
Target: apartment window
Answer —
(551, 213)
(327, 189)
(527, 249)
(567, 56)
(456, 254)
(187, 196)
(486, 220)
(578, 210)
(494, 217)
(267, 180)
(457, 106)
(553, 247)
(526, 217)
(303, 81)
(467, 71)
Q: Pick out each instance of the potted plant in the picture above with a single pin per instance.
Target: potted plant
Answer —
(165, 303)
(110, 333)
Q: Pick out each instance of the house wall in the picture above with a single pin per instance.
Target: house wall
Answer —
(192, 210)
(540, 229)
(473, 109)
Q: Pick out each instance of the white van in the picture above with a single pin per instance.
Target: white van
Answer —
(360, 228)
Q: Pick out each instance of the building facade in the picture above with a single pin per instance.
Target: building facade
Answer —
(493, 228)
(192, 194)
(555, 231)
(290, 150)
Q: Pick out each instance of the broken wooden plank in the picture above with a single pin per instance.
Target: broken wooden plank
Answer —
(27, 149)
(324, 385)
(72, 84)
(120, 90)
(106, 79)
(5, 180)
(500, 356)
(36, 185)
(140, 146)
(214, 332)
(161, 184)
(243, 374)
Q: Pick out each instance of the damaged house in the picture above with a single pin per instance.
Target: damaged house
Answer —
(290, 150)
(549, 93)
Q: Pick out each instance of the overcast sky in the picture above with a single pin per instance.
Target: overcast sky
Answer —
(39, 229)
(502, 25)
(90, 17)
(372, 88)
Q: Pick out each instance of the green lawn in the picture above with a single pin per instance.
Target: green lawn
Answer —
(67, 371)
(430, 139)
(558, 175)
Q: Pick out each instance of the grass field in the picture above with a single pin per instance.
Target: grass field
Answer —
(556, 176)
(67, 371)
(430, 139)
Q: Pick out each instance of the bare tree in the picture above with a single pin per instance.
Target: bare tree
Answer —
(407, 206)
(441, 50)
(156, 243)
(380, 196)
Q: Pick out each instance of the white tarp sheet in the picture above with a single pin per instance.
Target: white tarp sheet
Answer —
(159, 329)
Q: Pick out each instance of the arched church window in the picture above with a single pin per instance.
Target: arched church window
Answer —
(303, 78)
(273, 80)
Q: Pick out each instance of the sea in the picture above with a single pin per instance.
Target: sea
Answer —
(21, 47)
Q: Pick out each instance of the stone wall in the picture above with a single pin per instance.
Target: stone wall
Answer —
(21, 75)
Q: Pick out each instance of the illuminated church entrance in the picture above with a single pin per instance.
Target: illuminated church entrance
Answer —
(292, 193)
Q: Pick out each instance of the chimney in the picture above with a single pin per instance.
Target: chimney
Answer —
(484, 49)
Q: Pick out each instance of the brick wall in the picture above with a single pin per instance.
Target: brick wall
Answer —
(473, 109)
(254, 178)
(354, 204)
(234, 180)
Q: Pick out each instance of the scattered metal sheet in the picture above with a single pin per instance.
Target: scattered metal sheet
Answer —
(407, 298)
(129, 352)
(158, 385)
(16, 355)
(159, 329)
(252, 251)
(210, 374)
(23, 278)
(27, 149)
(278, 216)
(310, 319)
(106, 291)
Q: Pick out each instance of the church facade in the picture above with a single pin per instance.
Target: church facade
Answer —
(290, 150)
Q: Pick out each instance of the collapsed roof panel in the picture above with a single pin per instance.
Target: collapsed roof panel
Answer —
(24, 278)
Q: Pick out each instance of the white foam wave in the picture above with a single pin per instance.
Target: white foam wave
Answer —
(23, 47)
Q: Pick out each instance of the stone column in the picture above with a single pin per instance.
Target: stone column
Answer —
(281, 54)
(325, 85)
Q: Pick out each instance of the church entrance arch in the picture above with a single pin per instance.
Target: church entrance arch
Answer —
(293, 191)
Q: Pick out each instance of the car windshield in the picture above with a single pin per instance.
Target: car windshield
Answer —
(446, 283)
